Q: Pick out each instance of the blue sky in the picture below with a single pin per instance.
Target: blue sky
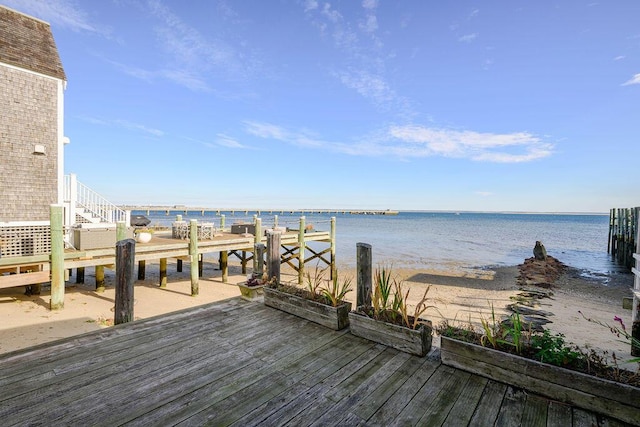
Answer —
(410, 105)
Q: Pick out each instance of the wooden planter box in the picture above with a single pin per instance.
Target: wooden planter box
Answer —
(335, 318)
(414, 341)
(607, 397)
(251, 293)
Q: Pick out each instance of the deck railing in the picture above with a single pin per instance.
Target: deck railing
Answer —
(91, 204)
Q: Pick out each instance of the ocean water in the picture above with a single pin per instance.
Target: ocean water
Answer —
(448, 241)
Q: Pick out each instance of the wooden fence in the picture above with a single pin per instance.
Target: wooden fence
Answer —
(635, 308)
(623, 230)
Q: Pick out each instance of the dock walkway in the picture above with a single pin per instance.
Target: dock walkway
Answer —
(241, 363)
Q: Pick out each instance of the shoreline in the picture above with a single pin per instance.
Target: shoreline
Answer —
(459, 297)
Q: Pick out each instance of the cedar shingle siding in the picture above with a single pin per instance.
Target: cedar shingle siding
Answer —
(28, 117)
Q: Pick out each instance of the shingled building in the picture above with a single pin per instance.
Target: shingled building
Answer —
(32, 82)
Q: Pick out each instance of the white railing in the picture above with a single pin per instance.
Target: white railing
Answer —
(79, 196)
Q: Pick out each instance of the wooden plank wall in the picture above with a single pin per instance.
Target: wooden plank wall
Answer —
(623, 228)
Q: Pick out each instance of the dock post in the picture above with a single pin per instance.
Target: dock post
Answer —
(301, 246)
(273, 254)
(257, 238)
(243, 262)
(57, 258)
(334, 272)
(222, 218)
(142, 269)
(258, 260)
(100, 278)
(193, 256)
(224, 265)
(163, 272)
(80, 275)
(200, 264)
(125, 258)
(364, 272)
(121, 231)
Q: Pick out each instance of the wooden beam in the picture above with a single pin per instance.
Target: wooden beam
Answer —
(24, 279)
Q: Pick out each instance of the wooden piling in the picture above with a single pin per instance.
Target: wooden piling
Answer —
(57, 258)
(243, 262)
(273, 254)
(334, 272)
(121, 231)
(200, 264)
(100, 278)
(193, 256)
(224, 265)
(301, 247)
(80, 275)
(142, 269)
(163, 272)
(364, 269)
(125, 256)
(258, 260)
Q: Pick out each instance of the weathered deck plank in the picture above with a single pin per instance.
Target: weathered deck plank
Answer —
(244, 364)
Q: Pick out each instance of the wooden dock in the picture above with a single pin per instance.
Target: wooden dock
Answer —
(194, 210)
(242, 363)
(296, 252)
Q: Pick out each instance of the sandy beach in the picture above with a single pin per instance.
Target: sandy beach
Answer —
(27, 321)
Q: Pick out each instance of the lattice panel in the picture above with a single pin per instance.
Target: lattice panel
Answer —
(25, 240)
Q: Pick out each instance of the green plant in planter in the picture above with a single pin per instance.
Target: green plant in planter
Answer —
(389, 301)
(491, 330)
(336, 290)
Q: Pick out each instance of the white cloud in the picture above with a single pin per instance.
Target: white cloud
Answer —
(619, 58)
(415, 141)
(125, 124)
(370, 4)
(192, 58)
(468, 38)
(136, 126)
(271, 131)
(635, 80)
(369, 86)
(227, 141)
(370, 24)
(61, 13)
(187, 78)
(310, 5)
(484, 193)
(487, 147)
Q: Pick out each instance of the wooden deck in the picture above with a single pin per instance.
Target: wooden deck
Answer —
(241, 363)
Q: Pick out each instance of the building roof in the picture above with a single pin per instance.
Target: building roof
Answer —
(28, 43)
